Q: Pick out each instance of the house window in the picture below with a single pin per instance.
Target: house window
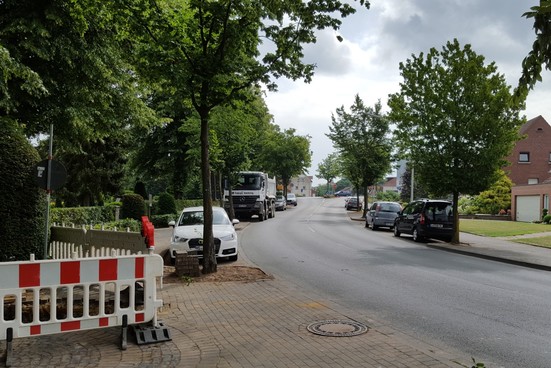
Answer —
(533, 181)
(549, 156)
(524, 157)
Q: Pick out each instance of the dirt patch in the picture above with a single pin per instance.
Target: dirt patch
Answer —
(224, 273)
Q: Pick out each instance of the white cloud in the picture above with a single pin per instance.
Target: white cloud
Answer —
(378, 39)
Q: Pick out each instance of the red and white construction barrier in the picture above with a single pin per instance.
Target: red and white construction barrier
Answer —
(54, 296)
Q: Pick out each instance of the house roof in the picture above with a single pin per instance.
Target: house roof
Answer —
(531, 122)
(390, 182)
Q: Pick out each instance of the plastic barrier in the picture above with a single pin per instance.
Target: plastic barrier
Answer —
(54, 296)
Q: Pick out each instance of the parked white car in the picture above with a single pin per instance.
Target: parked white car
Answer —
(188, 233)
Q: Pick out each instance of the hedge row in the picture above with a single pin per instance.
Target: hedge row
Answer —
(105, 215)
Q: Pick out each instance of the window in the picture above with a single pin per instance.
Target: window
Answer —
(533, 181)
(549, 156)
(524, 157)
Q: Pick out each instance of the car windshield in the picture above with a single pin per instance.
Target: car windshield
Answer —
(280, 198)
(389, 207)
(193, 218)
(290, 195)
(248, 181)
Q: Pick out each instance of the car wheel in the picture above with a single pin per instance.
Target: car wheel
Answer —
(374, 227)
(366, 224)
(396, 231)
(416, 236)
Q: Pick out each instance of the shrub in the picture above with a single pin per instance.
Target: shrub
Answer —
(82, 215)
(166, 204)
(160, 221)
(547, 219)
(23, 204)
(133, 206)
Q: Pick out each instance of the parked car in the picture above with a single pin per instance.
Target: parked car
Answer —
(343, 193)
(354, 204)
(291, 199)
(382, 214)
(188, 233)
(426, 218)
(280, 203)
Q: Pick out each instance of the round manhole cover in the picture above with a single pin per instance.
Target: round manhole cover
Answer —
(337, 328)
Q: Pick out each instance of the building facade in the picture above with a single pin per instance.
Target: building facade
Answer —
(301, 186)
(530, 161)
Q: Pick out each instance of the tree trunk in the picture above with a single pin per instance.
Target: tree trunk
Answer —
(366, 201)
(455, 238)
(209, 255)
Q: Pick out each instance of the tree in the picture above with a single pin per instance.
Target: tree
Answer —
(68, 65)
(540, 55)
(210, 49)
(361, 136)
(286, 155)
(456, 120)
(23, 204)
(497, 197)
(329, 168)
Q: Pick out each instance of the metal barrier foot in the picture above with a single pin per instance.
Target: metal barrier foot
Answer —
(9, 340)
(148, 334)
(124, 333)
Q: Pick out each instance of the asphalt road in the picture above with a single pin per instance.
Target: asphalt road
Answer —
(499, 314)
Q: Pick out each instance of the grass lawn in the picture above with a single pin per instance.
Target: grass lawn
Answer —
(501, 228)
(543, 241)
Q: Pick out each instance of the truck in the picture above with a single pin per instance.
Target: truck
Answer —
(254, 194)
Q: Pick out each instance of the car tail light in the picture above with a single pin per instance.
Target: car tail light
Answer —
(422, 219)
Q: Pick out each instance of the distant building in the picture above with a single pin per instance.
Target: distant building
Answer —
(301, 186)
(530, 171)
(530, 161)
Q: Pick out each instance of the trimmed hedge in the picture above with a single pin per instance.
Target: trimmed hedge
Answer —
(23, 205)
(82, 215)
(133, 206)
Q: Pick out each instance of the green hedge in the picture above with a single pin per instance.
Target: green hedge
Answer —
(82, 215)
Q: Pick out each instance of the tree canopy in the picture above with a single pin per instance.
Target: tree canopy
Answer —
(456, 120)
(329, 168)
(539, 56)
(362, 138)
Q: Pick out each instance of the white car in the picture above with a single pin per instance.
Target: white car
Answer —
(188, 233)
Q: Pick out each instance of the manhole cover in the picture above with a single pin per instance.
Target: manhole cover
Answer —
(337, 328)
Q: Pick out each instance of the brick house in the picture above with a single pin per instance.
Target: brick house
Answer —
(530, 171)
(530, 161)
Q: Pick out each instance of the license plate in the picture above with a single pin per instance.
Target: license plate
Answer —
(389, 224)
(437, 225)
(242, 205)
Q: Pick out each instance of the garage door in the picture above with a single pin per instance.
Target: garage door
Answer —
(528, 208)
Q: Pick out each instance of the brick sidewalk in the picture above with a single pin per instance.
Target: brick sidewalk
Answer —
(235, 324)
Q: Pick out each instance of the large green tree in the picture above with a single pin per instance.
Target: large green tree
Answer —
(362, 137)
(456, 120)
(210, 49)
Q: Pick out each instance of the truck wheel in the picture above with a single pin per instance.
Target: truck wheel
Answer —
(271, 212)
(262, 215)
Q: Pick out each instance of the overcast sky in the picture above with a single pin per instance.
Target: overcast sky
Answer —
(378, 39)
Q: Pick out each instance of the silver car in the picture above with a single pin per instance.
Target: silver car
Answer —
(382, 214)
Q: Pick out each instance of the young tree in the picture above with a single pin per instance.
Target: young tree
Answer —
(286, 155)
(329, 168)
(456, 120)
(361, 136)
(210, 49)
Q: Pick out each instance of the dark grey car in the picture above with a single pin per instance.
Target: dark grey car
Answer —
(382, 214)
(426, 218)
